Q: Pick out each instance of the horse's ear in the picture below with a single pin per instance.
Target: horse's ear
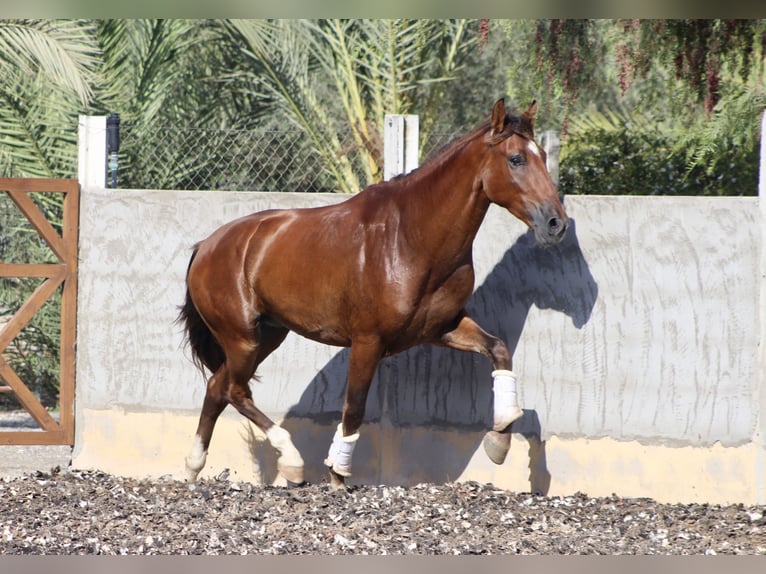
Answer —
(531, 114)
(498, 116)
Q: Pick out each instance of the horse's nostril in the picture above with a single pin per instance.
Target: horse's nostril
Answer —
(556, 227)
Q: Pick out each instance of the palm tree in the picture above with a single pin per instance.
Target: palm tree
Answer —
(147, 70)
(336, 79)
(48, 69)
(332, 79)
(167, 80)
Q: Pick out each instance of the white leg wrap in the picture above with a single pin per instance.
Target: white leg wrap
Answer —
(341, 451)
(506, 404)
(280, 440)
(195, 460)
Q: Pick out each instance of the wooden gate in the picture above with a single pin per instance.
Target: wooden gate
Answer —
(62, 274)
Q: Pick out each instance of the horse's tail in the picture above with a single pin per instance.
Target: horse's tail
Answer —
(206, 352)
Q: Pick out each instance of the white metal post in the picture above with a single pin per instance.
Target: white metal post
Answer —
(411, 139)
(400, 144)
(760, 433)
(91, 144)
(552, 146)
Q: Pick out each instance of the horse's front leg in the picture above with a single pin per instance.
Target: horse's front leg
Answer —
(363, 361)
(468, 336)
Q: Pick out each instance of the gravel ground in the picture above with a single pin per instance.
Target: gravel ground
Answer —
(63, 511)
(17, 460)
(74, 512)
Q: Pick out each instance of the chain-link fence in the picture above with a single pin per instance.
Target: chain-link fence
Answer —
(242, 160)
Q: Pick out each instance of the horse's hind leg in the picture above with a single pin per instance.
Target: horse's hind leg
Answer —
(290, 462)
(212, 407)
(230, 385)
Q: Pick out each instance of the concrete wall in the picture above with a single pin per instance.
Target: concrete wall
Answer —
(636, 343)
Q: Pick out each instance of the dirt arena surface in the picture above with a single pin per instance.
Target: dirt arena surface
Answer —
(60, 511)
(75, 512)
(17, 460)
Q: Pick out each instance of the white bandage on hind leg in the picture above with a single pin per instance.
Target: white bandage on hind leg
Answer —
(196, 459)
(506, 403)
(341, 451)
(280, 439)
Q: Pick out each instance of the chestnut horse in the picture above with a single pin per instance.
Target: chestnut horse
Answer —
(383, 271)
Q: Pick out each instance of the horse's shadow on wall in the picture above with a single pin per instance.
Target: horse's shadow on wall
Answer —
(428, 389)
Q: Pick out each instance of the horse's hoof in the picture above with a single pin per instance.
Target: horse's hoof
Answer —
(497, 445)
(340, 470)
(293, 474)
(191, 474)
(337, 482)
(506, 421)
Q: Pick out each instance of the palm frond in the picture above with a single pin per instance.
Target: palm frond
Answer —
(278, 52)
(145, 62)
(62, 51)
(334, 76)
(734, 125)
(48, 67)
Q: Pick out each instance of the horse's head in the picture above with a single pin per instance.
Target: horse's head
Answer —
(515, 177)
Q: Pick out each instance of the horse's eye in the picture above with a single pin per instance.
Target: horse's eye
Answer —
(516, 160)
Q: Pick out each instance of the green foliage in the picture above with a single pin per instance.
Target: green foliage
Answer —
(160, 75)
(563, 64)
(48, 69)
(695, 90)
(329, 76)
(34, 353)
(623, 153)
(704, 53)
(494, 65)
(729, 142)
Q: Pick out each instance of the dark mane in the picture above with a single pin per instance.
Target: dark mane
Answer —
(514, 124)
(444, 152)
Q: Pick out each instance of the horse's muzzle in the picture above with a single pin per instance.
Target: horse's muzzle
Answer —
(550, 228)
(557, 227)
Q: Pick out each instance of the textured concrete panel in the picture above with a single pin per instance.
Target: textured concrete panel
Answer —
(134, 250)
(642, 325)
